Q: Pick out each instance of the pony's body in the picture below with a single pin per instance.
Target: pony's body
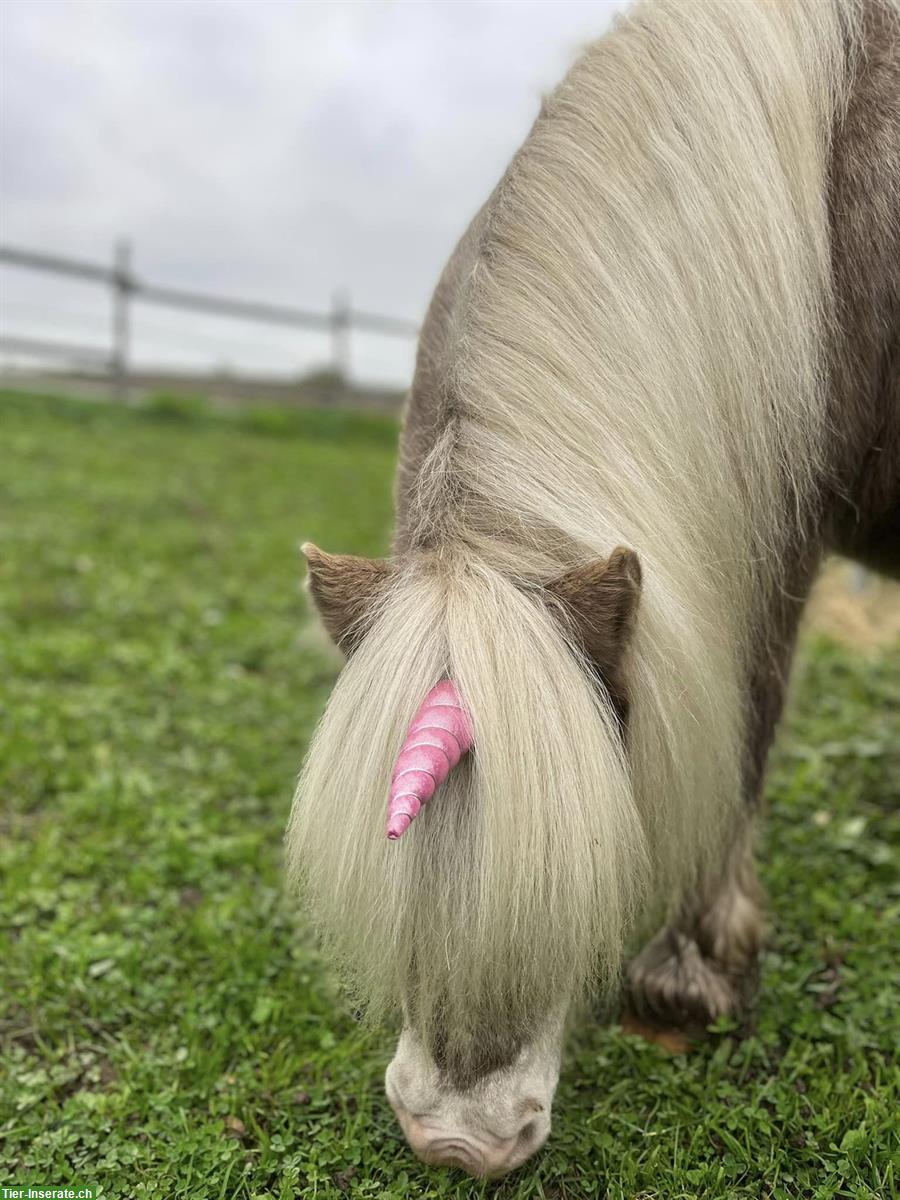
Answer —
(675, 327)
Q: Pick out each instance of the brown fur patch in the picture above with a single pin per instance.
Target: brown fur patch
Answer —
(345, 590)
(462, 1068)
(864, 204)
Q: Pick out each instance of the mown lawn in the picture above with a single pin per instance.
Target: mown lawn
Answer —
(167, 1028)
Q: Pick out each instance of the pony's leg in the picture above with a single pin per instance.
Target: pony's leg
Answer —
(703, 964)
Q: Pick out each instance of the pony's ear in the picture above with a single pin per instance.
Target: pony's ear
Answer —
(345, 590)
(601, 600)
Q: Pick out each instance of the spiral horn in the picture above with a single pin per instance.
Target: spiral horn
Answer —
(439, 735)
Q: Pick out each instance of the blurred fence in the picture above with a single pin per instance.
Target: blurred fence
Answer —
(126, 288)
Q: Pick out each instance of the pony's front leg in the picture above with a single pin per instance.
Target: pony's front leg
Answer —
(702, 965)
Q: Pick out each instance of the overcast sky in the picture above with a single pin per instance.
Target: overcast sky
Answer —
(266, 149)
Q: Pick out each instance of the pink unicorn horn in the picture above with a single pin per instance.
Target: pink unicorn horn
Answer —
(440, 734)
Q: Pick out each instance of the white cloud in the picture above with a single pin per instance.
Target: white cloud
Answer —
(267, 149)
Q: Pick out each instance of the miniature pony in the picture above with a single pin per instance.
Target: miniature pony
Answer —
(658, 379)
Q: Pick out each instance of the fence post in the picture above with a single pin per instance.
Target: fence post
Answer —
(340, 336)
(121, 325)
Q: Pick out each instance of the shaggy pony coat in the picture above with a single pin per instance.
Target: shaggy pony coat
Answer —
(633, 346)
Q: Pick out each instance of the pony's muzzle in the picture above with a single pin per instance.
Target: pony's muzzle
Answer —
(486, 1129)
(481, 1155)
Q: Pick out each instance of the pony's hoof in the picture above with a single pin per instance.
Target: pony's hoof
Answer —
(672, 983)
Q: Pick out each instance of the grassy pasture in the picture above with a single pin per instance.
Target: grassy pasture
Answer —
(167, 1029)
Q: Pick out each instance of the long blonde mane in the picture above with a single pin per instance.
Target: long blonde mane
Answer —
(634, 357)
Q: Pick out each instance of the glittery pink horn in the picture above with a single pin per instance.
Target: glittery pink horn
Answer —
(440, 734)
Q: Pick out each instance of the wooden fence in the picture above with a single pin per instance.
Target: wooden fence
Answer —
(127, 288)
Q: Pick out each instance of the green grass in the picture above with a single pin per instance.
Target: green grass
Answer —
(168, 1029)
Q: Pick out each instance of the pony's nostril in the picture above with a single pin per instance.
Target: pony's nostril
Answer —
(527, 1132)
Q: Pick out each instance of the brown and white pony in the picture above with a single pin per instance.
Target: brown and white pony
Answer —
(659, 377)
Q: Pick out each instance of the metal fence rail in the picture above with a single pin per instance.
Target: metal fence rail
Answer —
(126, 287)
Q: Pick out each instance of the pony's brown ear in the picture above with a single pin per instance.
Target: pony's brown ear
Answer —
(345, 590)
(600, 599)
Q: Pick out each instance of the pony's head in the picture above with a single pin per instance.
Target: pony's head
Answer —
(449, 833)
